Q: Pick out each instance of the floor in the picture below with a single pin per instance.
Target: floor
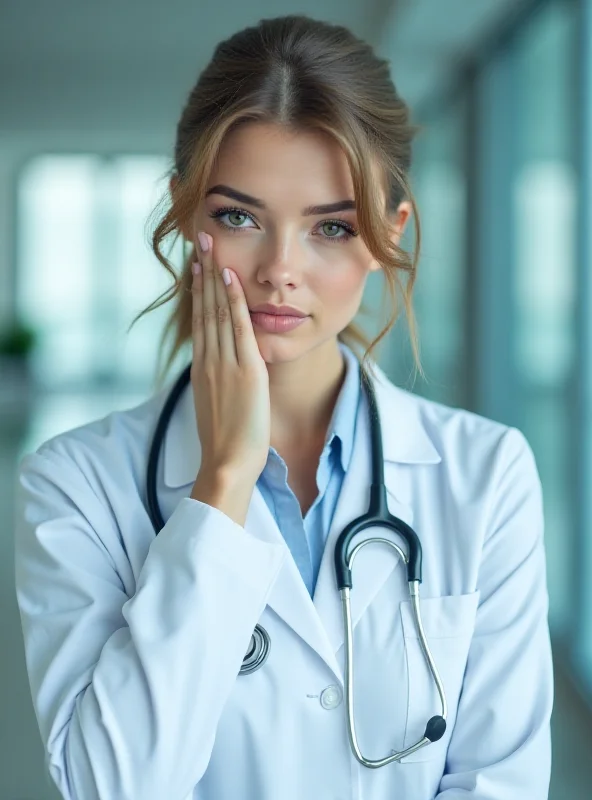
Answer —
(571, 773)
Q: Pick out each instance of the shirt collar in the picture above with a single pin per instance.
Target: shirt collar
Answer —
(343, 420)
(405, 433)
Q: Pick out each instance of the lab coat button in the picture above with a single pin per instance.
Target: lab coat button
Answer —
(331, 697)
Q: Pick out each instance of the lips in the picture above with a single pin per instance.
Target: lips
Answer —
(285, 310)
(276, 323)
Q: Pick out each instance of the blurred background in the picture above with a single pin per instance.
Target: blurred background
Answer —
(90, 95)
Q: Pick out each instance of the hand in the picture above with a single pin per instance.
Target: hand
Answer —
(229, 376)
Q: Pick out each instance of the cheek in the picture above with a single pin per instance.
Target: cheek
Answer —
(228, 250)
(341, 288)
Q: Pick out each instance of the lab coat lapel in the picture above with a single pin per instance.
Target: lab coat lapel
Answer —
(373, 563)
(289, 597)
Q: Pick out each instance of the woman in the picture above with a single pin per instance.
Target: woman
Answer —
(290, 181)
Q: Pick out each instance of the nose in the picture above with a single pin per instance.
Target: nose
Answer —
(282, 261)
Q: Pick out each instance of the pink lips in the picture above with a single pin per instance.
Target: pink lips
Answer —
(276, 323)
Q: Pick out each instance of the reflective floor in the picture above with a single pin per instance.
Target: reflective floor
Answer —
(571, 774)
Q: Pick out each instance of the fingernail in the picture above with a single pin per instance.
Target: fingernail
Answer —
(226, 276)
(203, 241)
(196, 267)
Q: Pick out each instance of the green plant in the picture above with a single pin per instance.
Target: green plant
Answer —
(17, 339)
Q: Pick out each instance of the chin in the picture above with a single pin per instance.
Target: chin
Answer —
(280, 348)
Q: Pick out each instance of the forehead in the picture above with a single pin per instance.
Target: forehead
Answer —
(275, 164)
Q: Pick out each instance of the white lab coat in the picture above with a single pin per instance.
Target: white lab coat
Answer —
(134, 642)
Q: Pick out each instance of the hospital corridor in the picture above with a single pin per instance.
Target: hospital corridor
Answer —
(91, 125)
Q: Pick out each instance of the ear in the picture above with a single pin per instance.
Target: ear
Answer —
(404, 211)
(398, 221)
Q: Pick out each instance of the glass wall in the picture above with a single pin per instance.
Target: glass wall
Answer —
(497, 183)
(583, 615)
(438, 180)
(85, 269)
(543, 200)
(524, 212)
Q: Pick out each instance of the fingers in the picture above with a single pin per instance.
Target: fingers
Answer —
(222, 326)
(211, 349)
(225, 329)
(197, 327)
(222, 335)
(245, 341)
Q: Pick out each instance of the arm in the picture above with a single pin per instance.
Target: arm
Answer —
(500, 747)
(128, 690)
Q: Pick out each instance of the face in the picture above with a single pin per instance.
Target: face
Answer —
(283, 251)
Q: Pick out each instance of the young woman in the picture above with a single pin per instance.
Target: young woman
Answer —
(214, 659)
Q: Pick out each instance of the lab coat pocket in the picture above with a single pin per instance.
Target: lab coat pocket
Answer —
(448, 624)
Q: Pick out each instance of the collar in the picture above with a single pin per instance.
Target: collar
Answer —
(404, 435)
(345, 413)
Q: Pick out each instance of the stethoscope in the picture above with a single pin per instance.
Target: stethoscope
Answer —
(377, 514)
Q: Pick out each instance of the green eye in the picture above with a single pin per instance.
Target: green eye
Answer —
(348, 231)
(236, 214)
(332, 225)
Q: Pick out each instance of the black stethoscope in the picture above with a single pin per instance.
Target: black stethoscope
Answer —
(377, 514)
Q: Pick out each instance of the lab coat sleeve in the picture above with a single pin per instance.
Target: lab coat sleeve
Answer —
(500, 747)
(128, 690)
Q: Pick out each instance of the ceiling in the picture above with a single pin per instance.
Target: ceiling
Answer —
(113, 67)
(427, 40)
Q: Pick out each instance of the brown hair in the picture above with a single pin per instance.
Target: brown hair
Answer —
(302, 74)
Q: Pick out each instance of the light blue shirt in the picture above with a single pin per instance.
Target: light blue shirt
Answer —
(306, 537)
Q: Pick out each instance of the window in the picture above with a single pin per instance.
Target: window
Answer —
(85, 269)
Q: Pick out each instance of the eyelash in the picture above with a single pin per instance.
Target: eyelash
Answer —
(220, 212)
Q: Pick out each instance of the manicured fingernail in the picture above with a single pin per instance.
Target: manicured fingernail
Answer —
(203, 241)
(196, 267)
(226, 276)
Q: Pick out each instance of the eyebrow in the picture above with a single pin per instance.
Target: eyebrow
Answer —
(309, 211)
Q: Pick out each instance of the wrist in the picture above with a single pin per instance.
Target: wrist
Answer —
(223, 480)
(227, 491)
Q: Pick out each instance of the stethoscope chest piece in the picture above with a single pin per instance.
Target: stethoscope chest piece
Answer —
(257, 652)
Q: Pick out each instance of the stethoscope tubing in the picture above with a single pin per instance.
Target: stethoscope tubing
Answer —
(153, 507)
(378, 514)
